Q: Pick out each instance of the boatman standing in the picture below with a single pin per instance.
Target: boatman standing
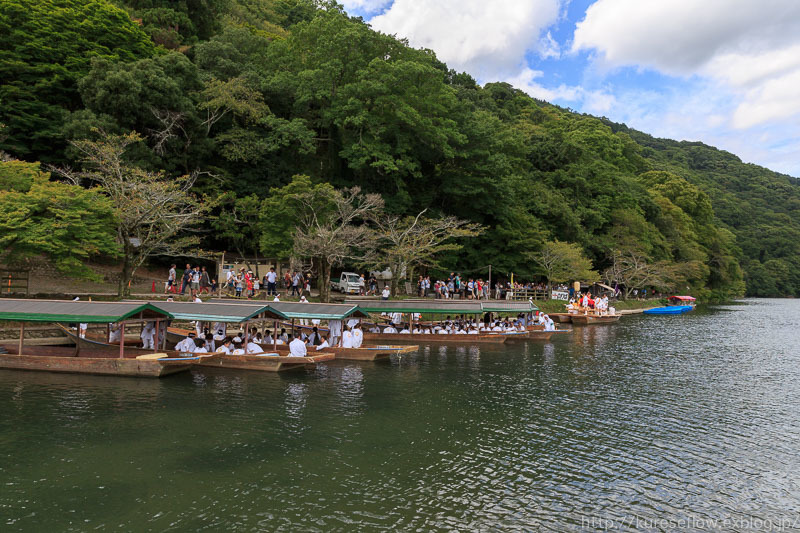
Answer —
(297, 348)
(358, 336)
(148, 335)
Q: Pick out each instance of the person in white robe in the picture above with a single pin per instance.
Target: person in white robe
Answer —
(334, 332)
(303, 321)
(199, 346)
(226, 347)
(252, 347)
(389, 329)
(405, 331)
(324, 344)
(443, 332)
(358, 337)
(347, 338)
(148, 335)
(297, 348)
(114, 333)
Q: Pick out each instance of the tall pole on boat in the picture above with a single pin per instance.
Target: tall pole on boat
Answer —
(21, 336)
(158, 330)
(122, 340)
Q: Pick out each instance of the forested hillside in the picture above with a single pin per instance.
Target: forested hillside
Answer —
(254, 92)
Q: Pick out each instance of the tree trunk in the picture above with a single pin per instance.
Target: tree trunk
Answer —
(325, 280)
(124, 290)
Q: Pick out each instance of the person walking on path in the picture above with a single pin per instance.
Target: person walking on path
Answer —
(187, 278)
(272, 281)
(205, 281)
(296, 281)
(172, 277)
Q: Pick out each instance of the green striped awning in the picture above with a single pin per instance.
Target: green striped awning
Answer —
(446, 307)
(217, 312)
(77, 311)
(292, 310)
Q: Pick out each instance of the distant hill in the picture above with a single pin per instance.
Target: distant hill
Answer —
(256, 91)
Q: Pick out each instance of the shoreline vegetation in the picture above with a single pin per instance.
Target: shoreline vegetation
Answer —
(287, 128)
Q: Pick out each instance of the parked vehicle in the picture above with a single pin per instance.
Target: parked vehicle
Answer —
(348, 283)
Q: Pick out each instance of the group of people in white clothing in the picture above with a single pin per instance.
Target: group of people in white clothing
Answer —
(459, 326)
(587, 305)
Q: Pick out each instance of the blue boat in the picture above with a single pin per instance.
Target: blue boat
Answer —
(677, 306)
(669, 310)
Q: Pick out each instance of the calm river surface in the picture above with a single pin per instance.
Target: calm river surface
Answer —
(650, 424)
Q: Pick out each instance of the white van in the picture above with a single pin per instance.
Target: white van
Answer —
(349, 283)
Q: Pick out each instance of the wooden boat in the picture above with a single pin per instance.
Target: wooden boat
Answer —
(562, 318)
(365, 353)
(101, 362)
(584, 320)
(498, 338)
(266, 362)
(93, 343)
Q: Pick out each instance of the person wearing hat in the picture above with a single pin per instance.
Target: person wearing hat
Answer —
(303, 321)
(237, 346)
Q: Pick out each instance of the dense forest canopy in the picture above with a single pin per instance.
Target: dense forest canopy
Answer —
(255, 92)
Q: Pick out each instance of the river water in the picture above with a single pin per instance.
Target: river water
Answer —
(650, 424)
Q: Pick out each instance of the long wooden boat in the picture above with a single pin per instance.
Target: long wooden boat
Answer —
(62, 359)
(402, 338)
(365, 353)
(93, 343)
(584, 320)
(561, 318)
(266, 362)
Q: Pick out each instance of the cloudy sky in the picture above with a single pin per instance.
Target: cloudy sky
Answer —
(725, 72)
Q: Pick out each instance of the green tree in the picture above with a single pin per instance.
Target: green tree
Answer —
(45, 47)
(153, 214)
(562, 262)
(323, 224)
(66, 223)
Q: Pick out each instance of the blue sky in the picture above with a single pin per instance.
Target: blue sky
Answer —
(725, 72)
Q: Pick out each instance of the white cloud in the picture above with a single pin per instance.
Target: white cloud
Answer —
(598, 102)
(680, 36)
(487, 39)
(750, 48)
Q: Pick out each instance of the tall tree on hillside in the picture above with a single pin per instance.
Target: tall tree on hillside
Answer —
(418, 241)
(46, 46)
(153, 213)
(327, 225)
(66, 223)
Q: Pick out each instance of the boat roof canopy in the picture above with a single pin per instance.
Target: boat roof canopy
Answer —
(683, 298)
(77, 311)
(291, 310)
(217, 312)
(453, 307)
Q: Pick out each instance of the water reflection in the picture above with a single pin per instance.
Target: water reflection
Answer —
(655, 417)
